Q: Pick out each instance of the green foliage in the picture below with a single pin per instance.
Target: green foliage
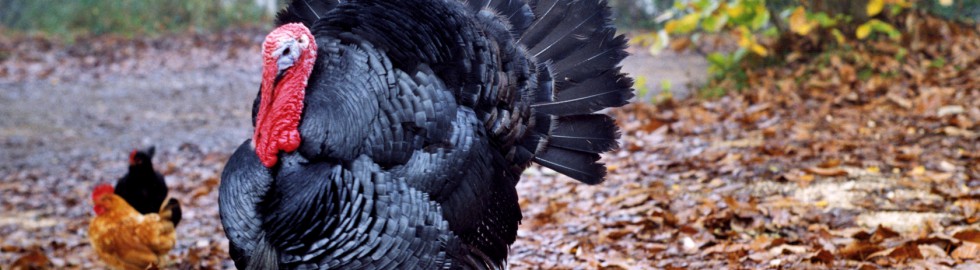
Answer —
(640, 14)
(720, 64)
(865, 74)
(901, 54)
(744, 17)
(960, 10)
(666, 92)
(640, 85)
(877, 26)
(643, 91)
(126, 17)
(938, 62)
(666, 86)
(757, 25)
(726, 66)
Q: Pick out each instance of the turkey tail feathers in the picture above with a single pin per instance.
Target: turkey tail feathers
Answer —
(304, 11)
(579, 51)
(588, 133)
(517, 13)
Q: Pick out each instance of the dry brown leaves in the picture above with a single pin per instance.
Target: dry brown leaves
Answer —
(51, 232)
(850, 159)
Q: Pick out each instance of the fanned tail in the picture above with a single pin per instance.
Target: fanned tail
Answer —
(579, 53)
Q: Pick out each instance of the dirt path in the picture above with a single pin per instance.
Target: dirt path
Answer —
(167, 97)
(684, 71)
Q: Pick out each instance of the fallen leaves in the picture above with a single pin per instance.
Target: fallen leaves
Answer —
(828, 172)
(53, 232)
(967, 251)
(817, 166)
(849, 160)
(34, 260)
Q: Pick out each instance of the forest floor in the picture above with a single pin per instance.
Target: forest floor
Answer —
(843, 176)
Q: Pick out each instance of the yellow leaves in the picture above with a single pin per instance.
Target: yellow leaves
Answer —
(747, 40)
(918, 170)
(743, 18)
(876, 25)
(798, 22)
(683, 25)
(821, 203)
(736, 11)
(863, 31)
(758, 49)
(640, 84)
(946, 3)
(611, 168)
(875, 7)
(838, 36)
(654, 41)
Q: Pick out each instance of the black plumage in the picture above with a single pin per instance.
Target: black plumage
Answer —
(419, 117)
(143, 187)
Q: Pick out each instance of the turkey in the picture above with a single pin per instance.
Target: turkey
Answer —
(391, 134)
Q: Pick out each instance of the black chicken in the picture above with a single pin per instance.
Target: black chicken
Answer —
(143, 187)
(391, 134)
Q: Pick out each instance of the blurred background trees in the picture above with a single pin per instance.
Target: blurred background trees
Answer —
(739, 36)
(130, 17)
(152, 16)
(734, 36)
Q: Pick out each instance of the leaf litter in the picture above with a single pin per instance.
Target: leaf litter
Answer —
(813, 168)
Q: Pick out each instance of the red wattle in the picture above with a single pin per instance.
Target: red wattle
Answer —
(281, 105)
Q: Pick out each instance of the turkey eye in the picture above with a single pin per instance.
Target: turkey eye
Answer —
(286, 51)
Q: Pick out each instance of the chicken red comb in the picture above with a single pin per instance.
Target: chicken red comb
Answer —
(132, 156)
(102, 190)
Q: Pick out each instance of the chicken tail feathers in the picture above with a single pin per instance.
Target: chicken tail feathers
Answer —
(578, 74)
(171, 211)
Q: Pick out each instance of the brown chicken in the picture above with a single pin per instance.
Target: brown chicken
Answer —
(125, 239)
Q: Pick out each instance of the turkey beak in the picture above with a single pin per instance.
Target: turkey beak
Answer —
(278, 77)
(285, 61)
(288, 54)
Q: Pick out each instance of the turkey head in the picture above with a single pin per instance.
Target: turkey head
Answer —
(288, 54)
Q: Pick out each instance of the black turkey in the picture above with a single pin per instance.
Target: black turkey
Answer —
(391, 134)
